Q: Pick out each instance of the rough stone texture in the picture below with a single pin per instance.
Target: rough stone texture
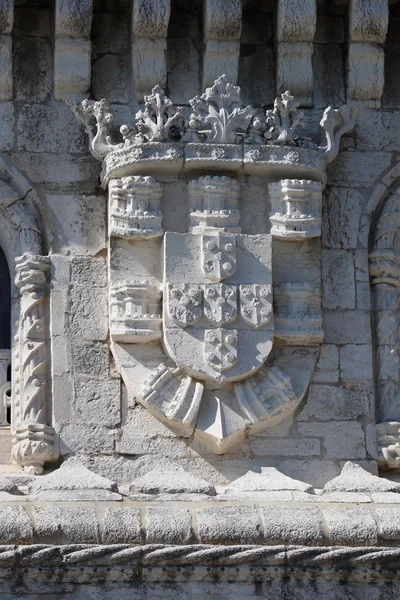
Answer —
(339, 439)
(270, 439)
(122, 526)
(354, 478)
(265, 479)
(356, 523)
(388, 523)
(77, 525)
(292, 525)
(73, 481)
(234, 525)
(168, 525)
(175, 481)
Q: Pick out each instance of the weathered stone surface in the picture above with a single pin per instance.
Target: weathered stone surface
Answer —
(354, 478)
(340, 439)
(208, 455)
(77, 525)
(352, 526)
(266, 479)
(292, 525)
(338, 289)
(122, 526)
(168, 525)
(326, 402)
(15, 525)
(170, 481)
(73, 481)
(230, 525)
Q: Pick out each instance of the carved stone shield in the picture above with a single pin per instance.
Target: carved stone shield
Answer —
(204, 332)
(218, 255)
(220, 348)
(256, 304)
(220, 303)
(184, 303)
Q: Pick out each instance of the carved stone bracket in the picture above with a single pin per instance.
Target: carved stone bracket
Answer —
(33, 438)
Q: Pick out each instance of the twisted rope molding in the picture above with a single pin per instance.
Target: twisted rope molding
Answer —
(201, 555)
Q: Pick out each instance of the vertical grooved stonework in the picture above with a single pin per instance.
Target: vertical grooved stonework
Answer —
(72, 51)
(6, 25)
(150, 19)
(222, 29)
(296, 24)
(368, 23)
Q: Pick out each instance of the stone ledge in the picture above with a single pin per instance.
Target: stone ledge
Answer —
(262, 523)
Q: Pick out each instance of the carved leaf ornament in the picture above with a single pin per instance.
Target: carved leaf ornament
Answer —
(218, 118)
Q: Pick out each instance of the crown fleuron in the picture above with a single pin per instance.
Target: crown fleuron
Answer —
(219, 134)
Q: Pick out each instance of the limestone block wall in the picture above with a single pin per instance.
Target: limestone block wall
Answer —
(318, 51)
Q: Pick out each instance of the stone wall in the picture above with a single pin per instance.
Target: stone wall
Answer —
(92, 414)
(57, 53)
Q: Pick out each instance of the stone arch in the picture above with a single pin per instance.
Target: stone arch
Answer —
(380, 193)
(21, 242)
(384, 262)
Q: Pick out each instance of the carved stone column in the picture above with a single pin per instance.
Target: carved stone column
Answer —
(33, 438)
(385, 281)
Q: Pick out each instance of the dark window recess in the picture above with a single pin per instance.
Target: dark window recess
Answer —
(5, 303)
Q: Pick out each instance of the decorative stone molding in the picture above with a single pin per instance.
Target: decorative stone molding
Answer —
(335, 123)
(295, 209)
(385, 281)
(72, 52)
(296, 24)
(150, 20)
(134, 208)
(213, 204)
(217, 116)
(298, 317)
(33, 438)
(20, 239)
(222, 29)
(204, 563)
(368, 23)
(6, 26)
(134, 312)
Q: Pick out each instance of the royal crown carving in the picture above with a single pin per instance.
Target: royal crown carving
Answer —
(194, 333)
(219, 132)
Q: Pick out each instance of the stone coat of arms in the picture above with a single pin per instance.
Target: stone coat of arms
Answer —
(215, 320)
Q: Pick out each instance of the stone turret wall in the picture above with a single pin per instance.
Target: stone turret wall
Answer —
(267, 49)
